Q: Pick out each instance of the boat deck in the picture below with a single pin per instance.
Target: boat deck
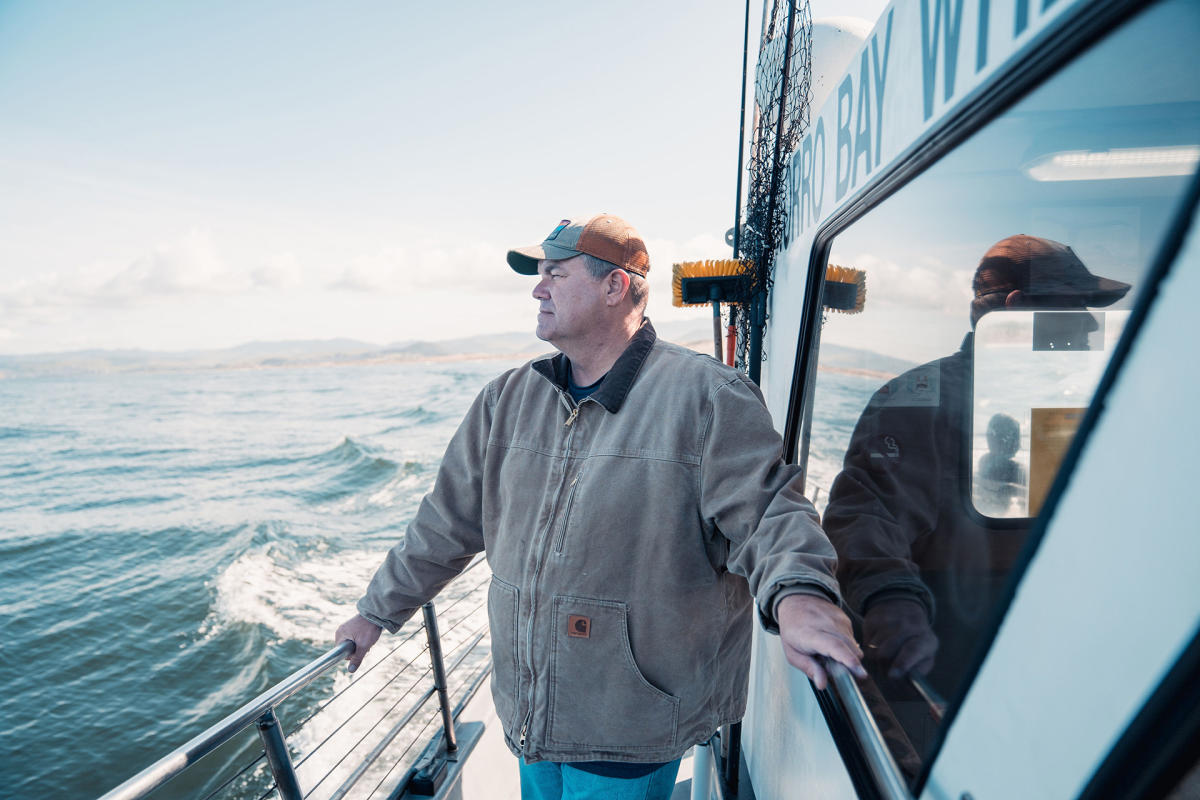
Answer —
(490, 770)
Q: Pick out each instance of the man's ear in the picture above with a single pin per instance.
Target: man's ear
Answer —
(1015, 299)
(617, 287)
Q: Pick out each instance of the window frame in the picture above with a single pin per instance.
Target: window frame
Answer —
(1047, 55)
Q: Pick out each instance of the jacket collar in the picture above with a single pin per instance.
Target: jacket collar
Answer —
(619, 379)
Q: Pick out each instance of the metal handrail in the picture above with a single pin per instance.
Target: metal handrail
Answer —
(261, 712)
(201, 745)
(882, 766)
(937, 705)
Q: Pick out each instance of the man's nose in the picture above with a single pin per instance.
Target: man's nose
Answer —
(539, 289)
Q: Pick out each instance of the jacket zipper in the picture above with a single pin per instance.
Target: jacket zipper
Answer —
(537, 569)
(566, 515)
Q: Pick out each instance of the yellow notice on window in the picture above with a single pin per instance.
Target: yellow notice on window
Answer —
(1051, 432)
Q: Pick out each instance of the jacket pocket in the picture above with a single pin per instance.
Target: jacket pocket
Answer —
(502, 619)
(598, 695)
(561, 533)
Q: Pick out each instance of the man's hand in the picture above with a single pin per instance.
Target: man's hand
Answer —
(810, 626)
(363, 633)
(897, 634)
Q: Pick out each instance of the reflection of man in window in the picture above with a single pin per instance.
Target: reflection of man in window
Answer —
(1000, 481)
(916, 562)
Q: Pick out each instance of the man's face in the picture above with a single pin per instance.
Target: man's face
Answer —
(570, 301)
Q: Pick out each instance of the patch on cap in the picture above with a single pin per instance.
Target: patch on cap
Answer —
(554, 233)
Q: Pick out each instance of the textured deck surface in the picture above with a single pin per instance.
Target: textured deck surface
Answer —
(491, 771)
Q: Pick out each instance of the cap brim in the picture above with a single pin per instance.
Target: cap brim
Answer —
(525, 259)
(1107, 292)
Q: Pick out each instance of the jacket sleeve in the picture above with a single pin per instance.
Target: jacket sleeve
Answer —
(446, 532)
(753, 498)
(885, 502)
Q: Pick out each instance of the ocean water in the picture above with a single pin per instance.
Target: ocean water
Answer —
(172, 544)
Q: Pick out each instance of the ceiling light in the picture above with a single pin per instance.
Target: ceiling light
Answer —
(1116, 164)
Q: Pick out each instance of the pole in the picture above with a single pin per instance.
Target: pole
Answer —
(737, 200)
(278, 757)
(439, 676)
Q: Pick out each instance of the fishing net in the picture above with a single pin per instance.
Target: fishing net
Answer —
(782, 89)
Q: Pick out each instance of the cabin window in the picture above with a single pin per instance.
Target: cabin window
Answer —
(997, 284)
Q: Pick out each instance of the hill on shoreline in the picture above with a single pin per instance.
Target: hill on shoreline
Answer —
(304, 353)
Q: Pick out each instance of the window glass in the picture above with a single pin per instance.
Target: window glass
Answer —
(997, 284)
(1034, 373)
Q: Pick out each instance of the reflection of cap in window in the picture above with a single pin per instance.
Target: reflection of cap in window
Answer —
(1047, 270)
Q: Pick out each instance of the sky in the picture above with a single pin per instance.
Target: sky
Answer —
(193, 175)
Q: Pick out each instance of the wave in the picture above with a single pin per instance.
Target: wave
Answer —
(144, 452)
(401, 492)
(203, 558)
(22, 469)
(296, 592)
(418, 415)
(347, 451)
(358, 468)
(110, 502)
(346, 469)
(9, 432)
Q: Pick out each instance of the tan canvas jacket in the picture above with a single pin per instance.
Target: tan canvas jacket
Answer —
(626, 536)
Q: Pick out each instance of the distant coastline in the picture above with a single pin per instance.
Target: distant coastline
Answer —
(303, 354)
(350, 352)
(883, 375)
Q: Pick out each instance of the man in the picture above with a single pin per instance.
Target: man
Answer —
(631, 497)
(922, 567)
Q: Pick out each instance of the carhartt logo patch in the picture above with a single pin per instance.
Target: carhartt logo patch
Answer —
(579, 627)
(554, 233)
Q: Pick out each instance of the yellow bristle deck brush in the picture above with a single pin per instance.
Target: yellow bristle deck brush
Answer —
(845, 289)
(698, 283)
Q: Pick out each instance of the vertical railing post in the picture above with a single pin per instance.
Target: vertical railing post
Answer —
(733, 758)
(278, 757)
(439, 676)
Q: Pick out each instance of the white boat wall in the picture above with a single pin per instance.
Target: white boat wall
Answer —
(954, 124)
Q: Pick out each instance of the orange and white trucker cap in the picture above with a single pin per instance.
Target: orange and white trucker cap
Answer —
(604, 236)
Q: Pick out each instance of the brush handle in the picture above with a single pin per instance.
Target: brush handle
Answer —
(716, 329)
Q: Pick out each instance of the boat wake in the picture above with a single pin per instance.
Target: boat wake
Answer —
(296, 597)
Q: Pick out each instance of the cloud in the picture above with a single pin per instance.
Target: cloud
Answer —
(281, 271)
(189, 278)
(35, 300)
(929, 285)
(481, 268)
(187, 267)
(664, 254)
(190, 265)
(401, 269)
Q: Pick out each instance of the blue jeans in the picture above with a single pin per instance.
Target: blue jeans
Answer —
(547, 780)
